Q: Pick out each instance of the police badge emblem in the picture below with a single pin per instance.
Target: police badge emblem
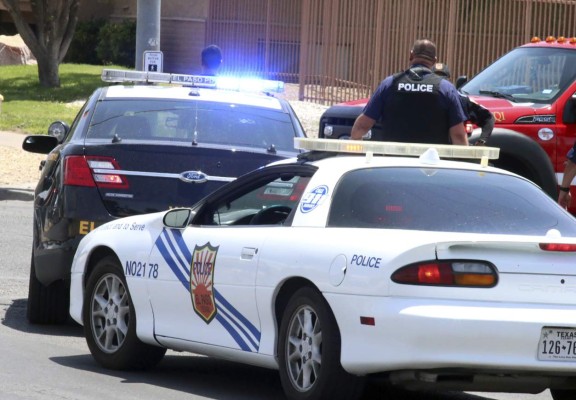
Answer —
(202, 281)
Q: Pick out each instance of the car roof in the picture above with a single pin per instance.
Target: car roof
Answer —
(195, 94)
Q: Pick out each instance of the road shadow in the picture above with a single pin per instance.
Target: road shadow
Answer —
(17, 194)
(227, 380)
(194, 375)
(15, 318)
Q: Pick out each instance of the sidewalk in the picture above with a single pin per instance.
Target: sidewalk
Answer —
(12, 139)
(18, 168)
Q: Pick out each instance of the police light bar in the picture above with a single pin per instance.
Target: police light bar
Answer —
(212, 82)
(396, 148)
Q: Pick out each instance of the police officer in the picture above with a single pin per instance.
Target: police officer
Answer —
(564, 196)
(474, 112)
(211, 59)
(415, 105)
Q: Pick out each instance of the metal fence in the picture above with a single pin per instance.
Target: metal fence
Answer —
(339, 50)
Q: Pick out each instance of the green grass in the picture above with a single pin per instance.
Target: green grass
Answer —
(31, 108)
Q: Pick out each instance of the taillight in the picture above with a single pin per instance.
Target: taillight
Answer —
(558, 247)
(447, 273)
(93, 171)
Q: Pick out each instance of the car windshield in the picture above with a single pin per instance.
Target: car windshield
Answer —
(526, 74)
(446, 200)
(199, 122)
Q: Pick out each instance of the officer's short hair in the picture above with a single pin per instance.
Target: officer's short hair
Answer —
(211, 57)
(441, 69)
(424, 48)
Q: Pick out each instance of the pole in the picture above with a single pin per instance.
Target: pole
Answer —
(147, 29)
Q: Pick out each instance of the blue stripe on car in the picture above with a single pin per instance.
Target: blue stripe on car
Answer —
(173, 249)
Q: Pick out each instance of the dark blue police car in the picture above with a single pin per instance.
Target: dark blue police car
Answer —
(142, 148)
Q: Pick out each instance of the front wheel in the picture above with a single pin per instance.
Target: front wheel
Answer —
(110, 321)
(309, 351)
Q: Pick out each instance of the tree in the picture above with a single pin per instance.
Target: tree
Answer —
(55, 22)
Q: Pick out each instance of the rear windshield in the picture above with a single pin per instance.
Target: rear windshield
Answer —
(445, 200)
(201, 122)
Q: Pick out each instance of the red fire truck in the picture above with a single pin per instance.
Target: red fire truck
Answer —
(532, 93)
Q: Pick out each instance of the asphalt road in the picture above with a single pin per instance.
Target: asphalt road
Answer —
(52, 362)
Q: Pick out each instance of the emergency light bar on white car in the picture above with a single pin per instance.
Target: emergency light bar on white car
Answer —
(201, 81)
(398, 149)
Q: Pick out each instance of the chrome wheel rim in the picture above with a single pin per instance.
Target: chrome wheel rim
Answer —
(110, 313)
(304, 348)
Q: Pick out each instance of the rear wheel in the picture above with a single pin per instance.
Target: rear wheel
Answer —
(47, 304)
(110, 321)
(309, 351)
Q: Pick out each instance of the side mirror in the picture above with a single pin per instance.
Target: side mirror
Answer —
(39, 144)
(460, 81)
(59, 130)
(178, 218)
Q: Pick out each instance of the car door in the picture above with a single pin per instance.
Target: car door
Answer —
(205, 290)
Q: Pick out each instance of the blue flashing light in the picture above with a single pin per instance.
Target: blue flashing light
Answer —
(222, 82)
(249, 84)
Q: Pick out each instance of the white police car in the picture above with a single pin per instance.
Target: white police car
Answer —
(330, 268)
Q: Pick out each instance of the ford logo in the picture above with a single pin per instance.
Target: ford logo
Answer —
(193, 177)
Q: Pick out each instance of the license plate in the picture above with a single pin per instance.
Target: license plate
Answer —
(557, 344)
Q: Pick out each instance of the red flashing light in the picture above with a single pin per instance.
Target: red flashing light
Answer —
(561, 39)
(573, 40)
(563, 247)
(535, 39)
(550, 39)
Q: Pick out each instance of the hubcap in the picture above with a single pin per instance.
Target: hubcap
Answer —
(304, 348)
(110, 313)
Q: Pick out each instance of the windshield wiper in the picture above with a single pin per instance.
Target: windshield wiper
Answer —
(499, 95)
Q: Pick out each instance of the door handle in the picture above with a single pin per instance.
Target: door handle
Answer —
(248, 253)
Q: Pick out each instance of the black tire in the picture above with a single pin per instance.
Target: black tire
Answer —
(563, 394)
(525, 157)
(47, 304)
(309, 352)
(110, 321)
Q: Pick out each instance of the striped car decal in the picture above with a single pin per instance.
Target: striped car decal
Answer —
(178, 257)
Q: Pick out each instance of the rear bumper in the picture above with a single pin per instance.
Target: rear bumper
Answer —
(52, 262)
(429, 334)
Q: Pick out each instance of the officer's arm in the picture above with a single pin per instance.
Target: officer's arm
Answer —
(362, 125)
(482, 117)
(487, 126)
(458, 134)
(564, 197)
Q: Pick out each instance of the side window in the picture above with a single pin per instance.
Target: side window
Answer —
(270, 203)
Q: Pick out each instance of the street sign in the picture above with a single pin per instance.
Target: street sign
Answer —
(153, 61)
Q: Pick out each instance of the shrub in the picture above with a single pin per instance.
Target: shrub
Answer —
(86, 37)
(117, 43)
